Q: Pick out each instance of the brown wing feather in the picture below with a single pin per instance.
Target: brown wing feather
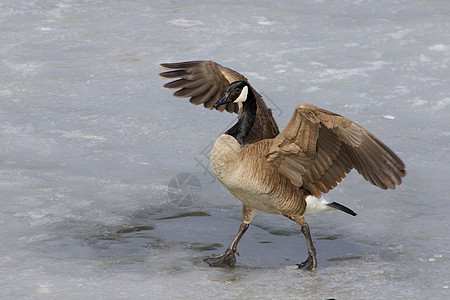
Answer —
(205, 81)
(318, 148)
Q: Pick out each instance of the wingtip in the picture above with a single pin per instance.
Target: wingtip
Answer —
(182, 64)
(165, 65)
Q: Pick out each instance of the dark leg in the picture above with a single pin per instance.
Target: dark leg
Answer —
(228, 259)
(310, 263)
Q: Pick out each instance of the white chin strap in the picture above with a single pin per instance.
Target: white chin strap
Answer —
(243, 96)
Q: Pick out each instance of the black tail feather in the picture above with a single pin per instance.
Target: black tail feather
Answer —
(341, 207)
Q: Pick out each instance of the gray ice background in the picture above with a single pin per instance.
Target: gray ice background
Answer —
(90, 140)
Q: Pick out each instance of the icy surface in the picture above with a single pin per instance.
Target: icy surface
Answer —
(90, 140)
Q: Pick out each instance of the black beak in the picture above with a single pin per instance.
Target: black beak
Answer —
(223, 100)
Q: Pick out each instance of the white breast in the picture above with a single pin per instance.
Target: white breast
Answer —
(224, 157)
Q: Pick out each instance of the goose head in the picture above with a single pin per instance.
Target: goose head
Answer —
(241, 93)
(236, 92)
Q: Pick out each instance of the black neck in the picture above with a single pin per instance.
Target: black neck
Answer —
(246, 119)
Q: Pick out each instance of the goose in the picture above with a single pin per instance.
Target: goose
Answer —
(285, 172)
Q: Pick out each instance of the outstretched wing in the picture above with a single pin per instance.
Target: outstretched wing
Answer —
(318, 148)
(203, 81)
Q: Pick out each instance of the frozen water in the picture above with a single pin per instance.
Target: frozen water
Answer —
(90, 140)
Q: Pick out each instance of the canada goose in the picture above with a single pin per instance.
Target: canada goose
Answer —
(281, 173)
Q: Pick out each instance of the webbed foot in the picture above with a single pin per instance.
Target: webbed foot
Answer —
(227, 259)
(309, 264)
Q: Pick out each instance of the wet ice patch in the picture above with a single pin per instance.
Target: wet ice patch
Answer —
(185, 22)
